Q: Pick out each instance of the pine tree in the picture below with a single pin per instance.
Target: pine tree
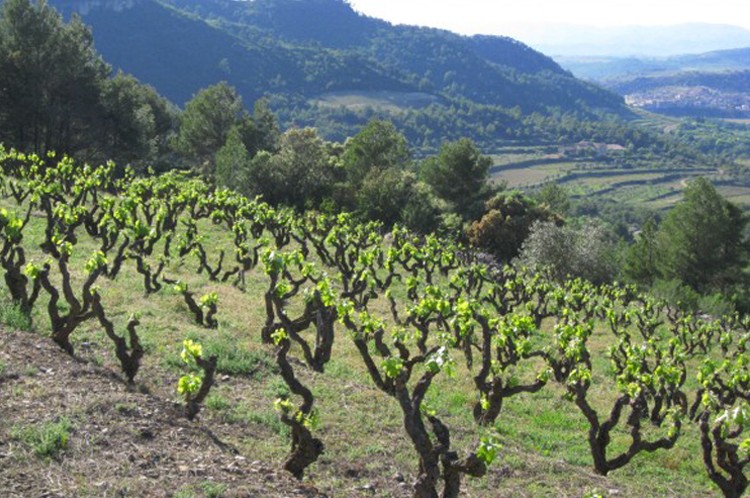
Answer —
(701, 240)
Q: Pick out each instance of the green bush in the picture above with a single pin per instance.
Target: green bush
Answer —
(676, 293)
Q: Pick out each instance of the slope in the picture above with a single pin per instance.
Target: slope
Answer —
(608, 68)
(179, 54)
(300, 50)
(121, 442)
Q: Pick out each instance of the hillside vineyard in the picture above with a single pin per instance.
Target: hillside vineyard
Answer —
(417, 310)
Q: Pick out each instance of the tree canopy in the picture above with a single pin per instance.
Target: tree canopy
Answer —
(506, 224)
(459, 174)
(50, 79)
(298, 175)
(206, 121)
(701, 241)
(377, 146)
(56, 93)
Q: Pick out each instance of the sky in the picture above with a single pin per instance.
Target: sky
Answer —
(521, 17)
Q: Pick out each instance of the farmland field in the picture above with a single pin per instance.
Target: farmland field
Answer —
(657, 189)
(382, 100)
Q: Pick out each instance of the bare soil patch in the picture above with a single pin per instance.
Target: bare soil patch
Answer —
(121, 442)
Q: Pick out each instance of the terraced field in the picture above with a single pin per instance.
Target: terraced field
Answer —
(381, 100)
(618, 180)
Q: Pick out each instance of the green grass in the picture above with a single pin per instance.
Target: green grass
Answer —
(268, 418)
(213, 489)
(208, 489)
(12, 316)
(381, 100)
(217, 402)
(184, 493)
(47, 440)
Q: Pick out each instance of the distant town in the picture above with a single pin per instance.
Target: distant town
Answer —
(702, 99)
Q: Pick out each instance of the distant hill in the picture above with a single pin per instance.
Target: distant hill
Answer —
(714, 84)
(638, 41)
(693, 94)
(602, 69)
(737, 81)
(298, 52)
(179, 53)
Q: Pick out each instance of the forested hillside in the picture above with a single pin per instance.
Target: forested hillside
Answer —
(270, 48)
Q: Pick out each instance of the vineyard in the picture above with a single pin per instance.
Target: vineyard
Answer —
(352, 326)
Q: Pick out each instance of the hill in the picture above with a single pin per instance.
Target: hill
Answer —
(269, 48)
(607, 68)
(638, 41)
(179, 54)
(712, 84)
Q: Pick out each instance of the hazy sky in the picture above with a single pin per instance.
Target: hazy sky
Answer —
(516, 17)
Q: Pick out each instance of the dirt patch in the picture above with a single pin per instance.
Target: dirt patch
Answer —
(120, 442)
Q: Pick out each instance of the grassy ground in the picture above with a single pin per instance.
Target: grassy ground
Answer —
(382, 100)
(533, 175)
(737, 194)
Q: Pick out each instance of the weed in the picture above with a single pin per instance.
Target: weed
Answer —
(213, 489)
(12, 316)
(277, 388)
(217, 402)
(592, 494)
(97, 360)
(47, 440)
(232, 359)
(184, 493)
(126, 408)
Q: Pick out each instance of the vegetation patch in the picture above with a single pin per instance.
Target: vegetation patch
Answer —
(48, 440)
(381, 100)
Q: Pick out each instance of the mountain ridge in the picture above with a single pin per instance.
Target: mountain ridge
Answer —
(638, 41)
(602, 69)
(260, 24)
(489, 87)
